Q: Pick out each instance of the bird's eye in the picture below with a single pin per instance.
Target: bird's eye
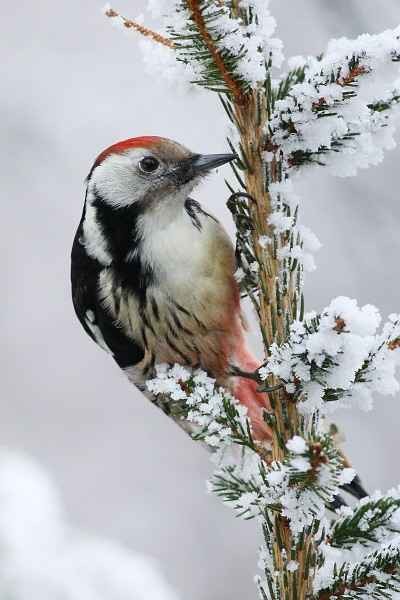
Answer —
(149, 164)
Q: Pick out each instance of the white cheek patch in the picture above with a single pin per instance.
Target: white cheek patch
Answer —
(116, 179)
(93, 238)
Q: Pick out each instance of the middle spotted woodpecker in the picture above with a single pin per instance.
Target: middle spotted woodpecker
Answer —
(153, 273)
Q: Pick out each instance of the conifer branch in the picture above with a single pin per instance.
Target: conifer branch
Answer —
(327, 88)
(376, 576)
(367, 523)
(194, 7)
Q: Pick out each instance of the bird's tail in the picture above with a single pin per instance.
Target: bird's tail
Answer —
(355, 488)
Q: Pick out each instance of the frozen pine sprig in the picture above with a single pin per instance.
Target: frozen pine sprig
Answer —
(342, 110)
(246, 478)
(240, 34)
(298, 488)
(338, 357)
(220, 421)
(339, 109)
(359, 533)
(239, 481)
(377, 575)
(216, 417)
(220, 418)
(226, 46)
(313, 471)
(366, 524)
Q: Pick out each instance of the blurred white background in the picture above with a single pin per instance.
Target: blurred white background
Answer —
(44, 557)
(71, 86)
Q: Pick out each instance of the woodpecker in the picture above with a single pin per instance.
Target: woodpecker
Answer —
(153, 273)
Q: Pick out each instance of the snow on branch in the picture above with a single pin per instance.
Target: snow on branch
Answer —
(376, 576)
(309, 475)
(300, 487)
(223, 46)
(373, 519)
(337, 358)
(215, 415)
(327, 110)
(246, 478)
(238, 37)
(354, 538)
(342, 106)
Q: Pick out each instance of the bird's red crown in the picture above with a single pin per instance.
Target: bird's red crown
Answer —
(145, 141)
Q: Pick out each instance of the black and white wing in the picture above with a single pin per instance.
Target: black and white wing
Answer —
(93, 316)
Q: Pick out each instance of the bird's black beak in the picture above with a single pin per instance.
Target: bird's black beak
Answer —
(199, 164)
(206, 162)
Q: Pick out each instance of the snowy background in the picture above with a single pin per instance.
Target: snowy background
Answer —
(71, 86)
(45, 557)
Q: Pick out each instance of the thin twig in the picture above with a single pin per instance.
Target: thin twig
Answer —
(145, 31)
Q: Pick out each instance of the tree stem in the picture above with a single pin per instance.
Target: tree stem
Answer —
(275, 311)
